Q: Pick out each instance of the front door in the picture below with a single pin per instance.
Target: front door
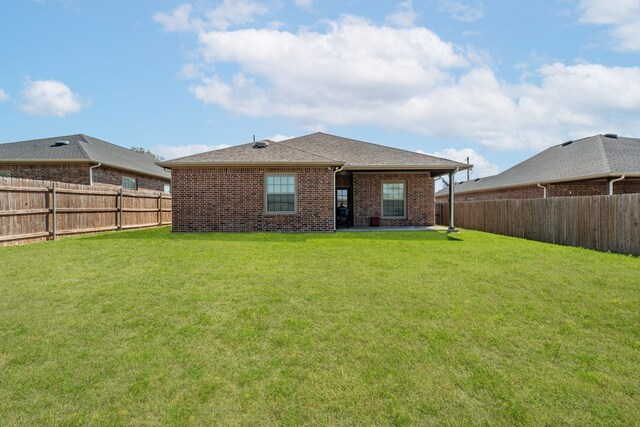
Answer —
(344, 214)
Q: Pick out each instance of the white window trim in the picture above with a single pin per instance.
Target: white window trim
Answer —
(295, 194)
(397, 181)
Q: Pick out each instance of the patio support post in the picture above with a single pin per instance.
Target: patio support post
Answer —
(452, 228)
(335, 171)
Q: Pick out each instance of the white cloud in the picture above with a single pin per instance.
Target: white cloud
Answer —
(190, 71)
(621, 15)
(404, 16)
(462, 11)
(179, 19)
(481, 166)
(235, 12)
(175, 151)
(357, 73)
(3, 95)
(50, 98)
(227, 14)
(279, 137)
(305, 4)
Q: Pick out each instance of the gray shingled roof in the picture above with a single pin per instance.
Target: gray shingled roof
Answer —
(275, 153)
(81, 148)
(593, 157)
(320, 148)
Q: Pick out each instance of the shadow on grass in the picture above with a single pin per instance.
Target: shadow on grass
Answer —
(166, 234)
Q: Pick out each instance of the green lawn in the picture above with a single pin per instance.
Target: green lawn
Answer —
(149, 327)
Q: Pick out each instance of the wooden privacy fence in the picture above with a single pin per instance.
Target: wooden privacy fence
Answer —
(605, 223)
(39, 210)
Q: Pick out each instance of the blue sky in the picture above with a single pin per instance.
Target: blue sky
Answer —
(494, 80)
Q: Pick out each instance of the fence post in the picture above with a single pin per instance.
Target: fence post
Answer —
(53, 202)
(160, 210)
(49, 224)
(120, 207)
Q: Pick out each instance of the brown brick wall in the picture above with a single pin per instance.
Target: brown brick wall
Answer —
(104, 175)
(232, 199)
(593, 187)
(73, 174)
(367, 198)
(79, 174)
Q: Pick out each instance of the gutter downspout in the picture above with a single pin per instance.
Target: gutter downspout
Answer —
(335, 171)
(610, 192)
(452, 183)
(91, 173)
(544, 194)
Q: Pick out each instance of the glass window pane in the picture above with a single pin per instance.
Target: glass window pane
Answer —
(393, 199)
(281, 202)
(129, 183)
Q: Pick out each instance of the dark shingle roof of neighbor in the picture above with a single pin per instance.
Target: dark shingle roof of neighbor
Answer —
(592, 157)
(321, 149)
(81, 148)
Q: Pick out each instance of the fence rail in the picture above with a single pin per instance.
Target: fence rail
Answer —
(606, 223)
(40, 210)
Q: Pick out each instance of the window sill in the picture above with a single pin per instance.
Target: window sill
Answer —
(279, 213)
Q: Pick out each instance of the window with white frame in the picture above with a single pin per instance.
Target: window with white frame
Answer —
(167, 188)
(280, 193)
(129, 183)
(5, 173)
(393, 199)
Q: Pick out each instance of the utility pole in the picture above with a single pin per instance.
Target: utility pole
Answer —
(468, 170)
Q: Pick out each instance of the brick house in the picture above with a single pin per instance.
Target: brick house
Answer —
(81, 159)
(315, 182)
(597, 165)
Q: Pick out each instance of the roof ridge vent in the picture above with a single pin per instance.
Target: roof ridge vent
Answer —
(564, 144)
(611, 135)
(261, 144)
(60, 143)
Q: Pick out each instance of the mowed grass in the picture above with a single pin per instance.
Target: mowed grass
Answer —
(149, 327)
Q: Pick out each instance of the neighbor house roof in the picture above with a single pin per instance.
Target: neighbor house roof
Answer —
(80, 149)
(318, 149)
(598, 156)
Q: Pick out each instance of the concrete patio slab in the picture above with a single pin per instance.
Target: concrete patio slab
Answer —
(409, 228)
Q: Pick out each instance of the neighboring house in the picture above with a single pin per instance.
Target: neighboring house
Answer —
(304, 184)
(597, 165)
(81, 159)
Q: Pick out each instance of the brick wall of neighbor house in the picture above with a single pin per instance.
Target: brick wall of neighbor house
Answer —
(73, 174)
(565, 189)
(232, 199)
(367, 198)
(103, 175)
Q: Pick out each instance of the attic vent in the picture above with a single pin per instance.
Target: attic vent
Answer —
(611, 135)
(564, 144)
(477, 179)
(60, 143)
(260, 144)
